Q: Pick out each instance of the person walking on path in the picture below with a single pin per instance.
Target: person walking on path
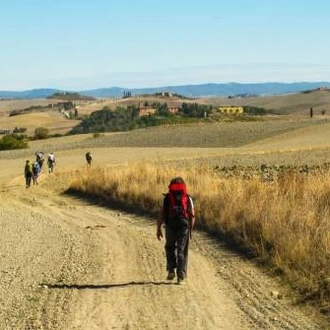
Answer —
(36, 171)
(178, 216)
(51, 162)
(28, 173)
(89, 158)
(40, 157)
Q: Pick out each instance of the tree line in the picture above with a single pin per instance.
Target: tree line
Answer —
(124, 119)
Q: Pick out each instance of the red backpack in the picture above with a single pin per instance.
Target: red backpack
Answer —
(176, 206)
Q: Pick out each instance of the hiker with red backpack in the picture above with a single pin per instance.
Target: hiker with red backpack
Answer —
(178, 216)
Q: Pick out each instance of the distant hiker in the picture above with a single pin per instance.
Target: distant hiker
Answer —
(36, 171)
(89, 158)
(51, 162)
(28, 173)
(40, 157)
(178, 216)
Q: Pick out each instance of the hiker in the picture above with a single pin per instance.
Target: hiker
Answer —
(40, 157)
(89, 158)
(178, 216)
(36, 171)
(51, 162)
(28, 173)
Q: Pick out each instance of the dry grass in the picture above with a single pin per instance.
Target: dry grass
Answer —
(284, 221)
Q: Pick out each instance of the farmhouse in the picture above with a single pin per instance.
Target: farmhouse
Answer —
(166, 94)
(67, 105)
(231, 109)
(146, 111)
(173, 109)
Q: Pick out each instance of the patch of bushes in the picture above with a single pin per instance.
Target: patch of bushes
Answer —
(69, 96)
(19, 130)
(13, 141)
(125, 119)
(41, 133)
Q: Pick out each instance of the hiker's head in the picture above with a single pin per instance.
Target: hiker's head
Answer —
(177, 180)
(27, 161)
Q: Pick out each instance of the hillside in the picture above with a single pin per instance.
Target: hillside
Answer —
(81, 265)
(288, 104)
(89, 244)
(104, 258)
(297, 105)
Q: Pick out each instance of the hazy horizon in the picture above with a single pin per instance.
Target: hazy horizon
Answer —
(88, 45)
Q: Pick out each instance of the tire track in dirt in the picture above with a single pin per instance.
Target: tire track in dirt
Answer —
(263, 299)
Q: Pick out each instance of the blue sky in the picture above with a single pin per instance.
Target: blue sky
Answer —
(76, 45)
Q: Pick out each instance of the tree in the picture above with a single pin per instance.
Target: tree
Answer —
(41, 133)
(19, 130)
(13, 141)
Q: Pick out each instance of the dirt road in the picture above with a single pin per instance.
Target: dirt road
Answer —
(67, 264)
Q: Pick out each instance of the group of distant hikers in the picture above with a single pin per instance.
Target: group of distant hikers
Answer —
(32, 170)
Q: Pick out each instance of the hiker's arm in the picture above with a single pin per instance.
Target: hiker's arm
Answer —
(191, 214)
(192, 221)
(191, 218)
(160, 221)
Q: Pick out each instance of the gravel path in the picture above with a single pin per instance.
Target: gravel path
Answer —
(67, 264)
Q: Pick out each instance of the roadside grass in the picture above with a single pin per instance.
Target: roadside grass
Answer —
(284, 221)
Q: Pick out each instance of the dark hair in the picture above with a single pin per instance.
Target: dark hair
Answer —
(177, 180)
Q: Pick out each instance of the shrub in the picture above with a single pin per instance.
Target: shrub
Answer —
(41, 133)
(13, 141)
(19, 130)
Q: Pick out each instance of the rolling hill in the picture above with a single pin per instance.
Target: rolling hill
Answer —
(296, 105)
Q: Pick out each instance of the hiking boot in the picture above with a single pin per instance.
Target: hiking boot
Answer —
(170, 275)
(181, 281)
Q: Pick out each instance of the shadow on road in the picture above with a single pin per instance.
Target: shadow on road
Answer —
(101, 286)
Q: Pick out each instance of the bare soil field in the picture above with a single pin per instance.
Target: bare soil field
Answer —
(67, 263)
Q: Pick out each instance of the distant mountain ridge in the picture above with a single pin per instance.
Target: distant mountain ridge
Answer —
(200, 90)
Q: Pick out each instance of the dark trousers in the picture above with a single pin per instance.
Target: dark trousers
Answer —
(28, 178)
(176, 248)
(35, 178)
